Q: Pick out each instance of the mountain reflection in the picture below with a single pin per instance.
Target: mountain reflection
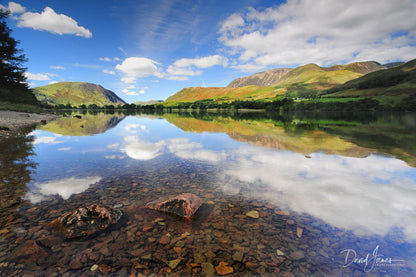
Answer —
(83, 124)
(306, 135)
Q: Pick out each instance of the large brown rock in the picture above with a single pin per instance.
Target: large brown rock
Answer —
(86, 221)
(183, 205)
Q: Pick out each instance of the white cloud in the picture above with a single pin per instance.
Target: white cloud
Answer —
(53, 82)
(203, 62)
(136, 67)
(52, 22)
(323, 32)
(14, 8)
(129, 92)
(182, 68)
(37, 76)
(109, 72)
(57, 67)
(107, 59)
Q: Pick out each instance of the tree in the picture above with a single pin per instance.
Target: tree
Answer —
(13, 85)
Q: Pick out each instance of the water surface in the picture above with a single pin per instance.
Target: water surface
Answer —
(334, 194)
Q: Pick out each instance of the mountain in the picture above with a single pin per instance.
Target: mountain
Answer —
(302, 81)
(262, 79)
(309, 72)
(395, 81)
(150, 102)
(76, 93)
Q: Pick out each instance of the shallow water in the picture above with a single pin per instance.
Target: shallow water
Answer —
(334, 195)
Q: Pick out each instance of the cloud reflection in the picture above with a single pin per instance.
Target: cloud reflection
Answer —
(140, 150)
(366, 195)
(185, 149)
(64, 188)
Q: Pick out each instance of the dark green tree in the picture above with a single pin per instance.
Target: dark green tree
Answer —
(13, 85)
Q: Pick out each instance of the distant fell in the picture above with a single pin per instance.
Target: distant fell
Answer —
(308, 73)
(261, 79)
(76, 93)
(150, 102)
(394, 81)
(301, 82)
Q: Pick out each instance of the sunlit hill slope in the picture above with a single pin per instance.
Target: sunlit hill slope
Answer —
(297, 82)
(76, 93)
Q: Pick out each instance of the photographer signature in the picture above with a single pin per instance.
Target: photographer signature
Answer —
(371, 260)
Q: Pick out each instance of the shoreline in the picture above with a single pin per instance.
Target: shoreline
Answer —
(17, 120)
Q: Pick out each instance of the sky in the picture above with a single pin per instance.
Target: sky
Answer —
(149, 50)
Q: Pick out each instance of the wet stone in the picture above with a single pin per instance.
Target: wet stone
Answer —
(86, 221)
(223, 269)
(253, 214)
(208, 269)
(297, 255)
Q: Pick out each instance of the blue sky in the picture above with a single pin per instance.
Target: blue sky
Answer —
(145, 50)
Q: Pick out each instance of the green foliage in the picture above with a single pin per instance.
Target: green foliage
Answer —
(13, 85)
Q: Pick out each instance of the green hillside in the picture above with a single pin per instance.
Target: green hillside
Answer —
(390, 85)
(304, 81)
(76, 93)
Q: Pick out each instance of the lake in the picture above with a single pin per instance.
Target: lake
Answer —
(283, 194)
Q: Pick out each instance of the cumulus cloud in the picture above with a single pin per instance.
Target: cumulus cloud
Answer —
(38, 76)
(14, 8)
(182, 68)
(52, 22)
(323, 32)
(106, 71)
(136, 67)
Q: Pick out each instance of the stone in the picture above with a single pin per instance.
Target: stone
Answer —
(104, 269)
(165, 239)
(94, 267)
(253, 214)
(173, 263)
(282, 212)
(299, 232)
(223, 269)
(297, 255)
(238, 256)
(86, 221)
(279, 253)
(208, 269)
(183, 205)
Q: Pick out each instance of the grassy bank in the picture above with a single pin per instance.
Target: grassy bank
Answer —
(20, 107)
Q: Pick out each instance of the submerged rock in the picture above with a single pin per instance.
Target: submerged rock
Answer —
(183, 205)
(86, 221)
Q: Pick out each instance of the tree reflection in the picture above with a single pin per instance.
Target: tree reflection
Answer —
(15, 172)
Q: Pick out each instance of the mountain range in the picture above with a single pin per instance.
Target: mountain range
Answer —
(76, 93)
(368, 79)
(308, 81)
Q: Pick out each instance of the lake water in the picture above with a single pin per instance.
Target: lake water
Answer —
(335, 195)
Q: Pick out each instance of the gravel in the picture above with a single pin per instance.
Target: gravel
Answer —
(16, 120)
